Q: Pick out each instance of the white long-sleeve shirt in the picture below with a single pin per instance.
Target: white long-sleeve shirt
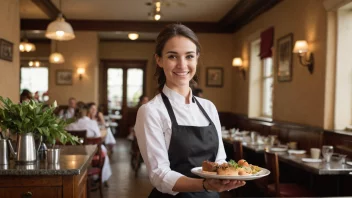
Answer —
(153, 132)
(86, 123)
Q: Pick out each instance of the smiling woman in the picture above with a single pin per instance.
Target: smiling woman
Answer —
(175, 130)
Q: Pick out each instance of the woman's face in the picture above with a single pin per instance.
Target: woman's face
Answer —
(93, 110)
(179, 60)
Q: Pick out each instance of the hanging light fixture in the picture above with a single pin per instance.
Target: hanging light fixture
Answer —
(56, 57)
(133, 36)
(26, 46)
(60, 29)
(157, 16)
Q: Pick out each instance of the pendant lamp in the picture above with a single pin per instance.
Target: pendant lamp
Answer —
(56, 57)
(60, 29)
(26, 46)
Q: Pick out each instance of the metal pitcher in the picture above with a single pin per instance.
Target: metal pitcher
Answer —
(4, 153)
(26, 152)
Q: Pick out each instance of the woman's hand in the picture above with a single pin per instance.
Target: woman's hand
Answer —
(218, 185)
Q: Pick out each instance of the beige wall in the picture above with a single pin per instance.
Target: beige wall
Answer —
(302, 99)
(217, 51)
(10, 31)
(212, 45)
(42, 50)
(79, 52)
(132, 51)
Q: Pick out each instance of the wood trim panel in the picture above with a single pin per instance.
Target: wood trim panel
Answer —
(109, 25)
(14, 181)
(48, 8)
(68, 186)
(126, 41)
(244, 12)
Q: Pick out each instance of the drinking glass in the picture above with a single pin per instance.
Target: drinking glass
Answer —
(327, 152)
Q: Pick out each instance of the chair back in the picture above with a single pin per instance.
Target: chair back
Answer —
(100, 154)
(272, 163)
(238, 149)
(81, 134)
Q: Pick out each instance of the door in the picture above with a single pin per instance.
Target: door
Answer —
(124, 83)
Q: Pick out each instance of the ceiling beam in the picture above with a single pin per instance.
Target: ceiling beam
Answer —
(109, 25)
(47, 7)
(244, 12)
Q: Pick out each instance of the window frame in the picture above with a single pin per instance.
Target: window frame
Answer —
(262, 94)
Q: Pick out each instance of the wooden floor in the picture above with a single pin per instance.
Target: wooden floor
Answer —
(122, 183)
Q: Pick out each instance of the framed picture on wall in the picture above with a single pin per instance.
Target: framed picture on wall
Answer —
(284, 58)
(215, 77)
(6, 50)
(64, 77)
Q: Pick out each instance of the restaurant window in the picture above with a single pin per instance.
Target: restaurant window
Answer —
(35, 79)
(267, 88)
(115, 88)
(343, 71)
(134, 86)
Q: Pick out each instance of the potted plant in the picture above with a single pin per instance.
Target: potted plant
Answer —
(29, 120)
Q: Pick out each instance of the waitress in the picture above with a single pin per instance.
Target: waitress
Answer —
(175, 130)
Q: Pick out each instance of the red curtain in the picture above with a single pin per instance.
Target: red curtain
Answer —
(266, 42)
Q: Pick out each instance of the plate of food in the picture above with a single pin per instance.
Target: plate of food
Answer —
(230, 170)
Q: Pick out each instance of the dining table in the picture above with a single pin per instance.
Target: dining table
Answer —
(335, 169)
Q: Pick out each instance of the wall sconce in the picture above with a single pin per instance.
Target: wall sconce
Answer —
(301, 47)
(80, 72)
(237, 62)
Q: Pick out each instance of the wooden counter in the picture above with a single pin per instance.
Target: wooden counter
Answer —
(66, 179)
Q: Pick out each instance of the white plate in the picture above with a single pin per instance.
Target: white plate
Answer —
(349, 163)
(311, 160)
(198, 171)
(278, 149)
(296, 151)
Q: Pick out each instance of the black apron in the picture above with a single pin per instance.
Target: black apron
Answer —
(189, 147)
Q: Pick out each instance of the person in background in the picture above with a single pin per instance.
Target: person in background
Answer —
(69, 112)
(98, 117)
(143, 99)
(26, 95)
(36, 96)
(83, 122)
(94, 114)
(175, 130)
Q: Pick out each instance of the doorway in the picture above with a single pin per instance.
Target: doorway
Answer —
(123, 84)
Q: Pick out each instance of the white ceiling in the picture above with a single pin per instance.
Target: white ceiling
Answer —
(172, 10)
(29, 10)
(136, 10)
(38, 34)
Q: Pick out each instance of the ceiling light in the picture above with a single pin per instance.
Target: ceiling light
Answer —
(133, 36)
(157, 16)
(56, 58)
(37, 63)
(60, 30)
(26, 46)
(30, 63)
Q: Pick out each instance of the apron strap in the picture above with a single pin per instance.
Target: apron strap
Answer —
(205, 113)
(169, 109)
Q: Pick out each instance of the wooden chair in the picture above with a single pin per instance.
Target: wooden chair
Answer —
(96, 167)
(282, 190)
(238, 149)
(81, 134)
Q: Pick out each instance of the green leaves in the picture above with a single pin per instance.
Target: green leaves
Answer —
(36, 118)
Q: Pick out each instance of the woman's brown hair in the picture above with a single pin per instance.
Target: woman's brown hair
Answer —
(166, 34)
